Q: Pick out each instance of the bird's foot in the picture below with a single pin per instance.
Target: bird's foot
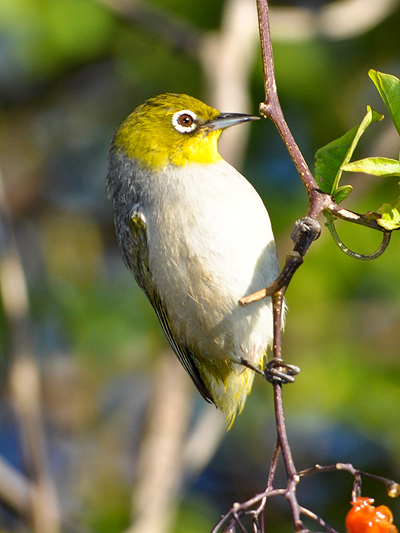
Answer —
(277, 371)
(306, 225)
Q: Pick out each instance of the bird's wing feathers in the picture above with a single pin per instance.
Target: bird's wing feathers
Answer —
(139, 256)
(143, 277)
(184, 355)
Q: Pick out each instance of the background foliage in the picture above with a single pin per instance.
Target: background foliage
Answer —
(70, 71)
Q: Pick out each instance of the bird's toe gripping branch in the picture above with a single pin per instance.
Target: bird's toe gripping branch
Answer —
(308, 226)
(277, 371)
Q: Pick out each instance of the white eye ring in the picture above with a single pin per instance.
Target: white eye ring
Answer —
(179, 119)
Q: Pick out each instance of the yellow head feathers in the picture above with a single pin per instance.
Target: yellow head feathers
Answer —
(174, 129)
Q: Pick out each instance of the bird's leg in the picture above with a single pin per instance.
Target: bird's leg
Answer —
(242, 361)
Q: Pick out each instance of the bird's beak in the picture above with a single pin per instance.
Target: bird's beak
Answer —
(225, 120)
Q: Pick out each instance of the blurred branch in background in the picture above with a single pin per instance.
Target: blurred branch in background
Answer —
(85, 64)
(24, 376)
(228, 58)
(160, 459)
(343, 19)
(182, 37)
(170, 455)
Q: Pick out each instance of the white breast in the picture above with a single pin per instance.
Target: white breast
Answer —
(210, 243)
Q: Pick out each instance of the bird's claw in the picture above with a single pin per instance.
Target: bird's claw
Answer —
(277, 371)
(306, 225)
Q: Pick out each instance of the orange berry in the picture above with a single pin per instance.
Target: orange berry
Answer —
(365, 518)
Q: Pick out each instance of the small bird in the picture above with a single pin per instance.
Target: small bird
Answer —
(197, 238)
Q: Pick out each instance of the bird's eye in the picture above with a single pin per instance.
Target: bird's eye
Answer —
(184, 121)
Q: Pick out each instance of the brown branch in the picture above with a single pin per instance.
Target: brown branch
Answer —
(271, 108)
(304, 234)
(318, 201)
(307, 229)
(240, 510)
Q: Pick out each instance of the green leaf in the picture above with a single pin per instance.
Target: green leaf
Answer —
(342, 193)
(396, 203)
(389, 89)
(330, 158)
(376, 166)
(390, 219)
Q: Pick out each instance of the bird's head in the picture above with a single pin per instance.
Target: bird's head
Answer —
(174, 129)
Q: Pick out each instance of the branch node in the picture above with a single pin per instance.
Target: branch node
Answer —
(265, 109)
(394, 490)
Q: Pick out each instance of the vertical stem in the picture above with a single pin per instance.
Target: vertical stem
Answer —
(274, 464)
(271, 107)
(266, 48)
(270, 483)
(282, 433)
(291, 472)
(278, 303)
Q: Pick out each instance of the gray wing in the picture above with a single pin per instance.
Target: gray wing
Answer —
(141, 270)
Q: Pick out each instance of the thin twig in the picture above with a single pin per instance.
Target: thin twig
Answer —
(330, 224)
(319, 202)
(317, 519)
(273, 466)
(242, 509)
(291, 472)
(271, 108)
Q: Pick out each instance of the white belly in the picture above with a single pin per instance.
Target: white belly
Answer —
(211, 243)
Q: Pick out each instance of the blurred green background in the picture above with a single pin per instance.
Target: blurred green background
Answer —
(70, 72)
